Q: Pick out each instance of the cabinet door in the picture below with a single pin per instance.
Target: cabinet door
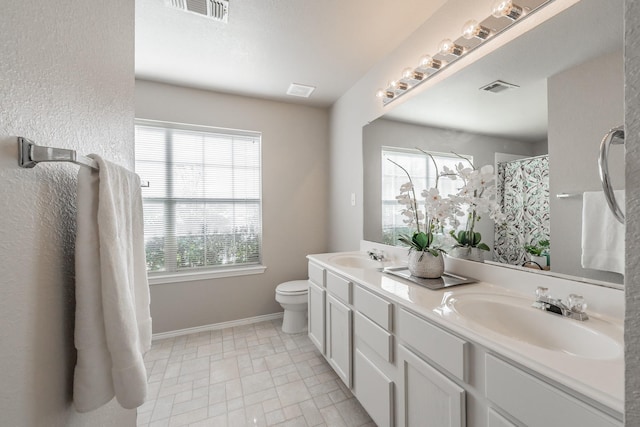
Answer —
(427, 397)
(373, 390)
(496, 420)
(316, 314)
(339, 338)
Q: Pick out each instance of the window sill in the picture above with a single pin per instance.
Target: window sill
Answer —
(159, 279)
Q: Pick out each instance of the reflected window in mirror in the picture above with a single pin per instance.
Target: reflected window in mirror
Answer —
(423, 174)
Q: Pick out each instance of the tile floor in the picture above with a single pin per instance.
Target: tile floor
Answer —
(251, 375)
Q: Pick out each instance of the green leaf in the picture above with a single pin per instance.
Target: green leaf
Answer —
(404, 238)
(476, 238)
(483, 247)
(420, 239)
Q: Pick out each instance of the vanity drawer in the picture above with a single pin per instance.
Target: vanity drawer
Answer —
(316, 274)
(375, 337)
(374, 307)
(339, 287)
(440, 346)
(544, 404)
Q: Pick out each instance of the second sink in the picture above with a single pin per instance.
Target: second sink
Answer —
(355, 261)
(514, 318)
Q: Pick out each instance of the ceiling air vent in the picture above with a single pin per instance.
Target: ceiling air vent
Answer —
(498, 86)
(217, 10)
(303, 91)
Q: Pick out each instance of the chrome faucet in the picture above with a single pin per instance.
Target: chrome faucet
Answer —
(376, 255)
(573, 309)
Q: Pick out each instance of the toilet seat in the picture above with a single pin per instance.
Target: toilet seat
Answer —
(295, 287)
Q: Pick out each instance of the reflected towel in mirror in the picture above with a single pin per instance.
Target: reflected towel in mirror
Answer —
(602, 234)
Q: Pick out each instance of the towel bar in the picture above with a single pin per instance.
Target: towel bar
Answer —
(30, 154)
(568, 195)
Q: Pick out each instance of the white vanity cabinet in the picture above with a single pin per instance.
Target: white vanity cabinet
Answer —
(374, 369)
(494, 419)
(374, 390)
(316, 307)
(536, 403)
(428, 398)
(407, 368)
(429, 359)
(339, 337)
(330, 319)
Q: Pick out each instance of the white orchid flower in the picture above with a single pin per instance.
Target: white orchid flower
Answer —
(406, 187)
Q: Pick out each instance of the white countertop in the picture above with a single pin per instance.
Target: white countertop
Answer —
(601, 380)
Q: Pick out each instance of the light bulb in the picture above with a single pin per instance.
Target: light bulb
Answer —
(428, 62)
(473, 29)
(382, 93)
(507, 9)
(447, 47)
(410, 73)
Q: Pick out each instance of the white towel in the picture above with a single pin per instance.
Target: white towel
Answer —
(113, 323)
(602, 234)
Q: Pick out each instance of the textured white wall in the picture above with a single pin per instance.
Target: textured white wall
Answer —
(294, 191)
(66, 80)
(632, 270)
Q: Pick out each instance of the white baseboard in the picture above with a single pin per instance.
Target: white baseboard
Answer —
(217, 326)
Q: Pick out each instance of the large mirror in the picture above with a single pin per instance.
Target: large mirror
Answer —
(542, 136)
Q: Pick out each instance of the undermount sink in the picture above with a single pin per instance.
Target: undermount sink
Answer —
(355, 261)
(514, 318)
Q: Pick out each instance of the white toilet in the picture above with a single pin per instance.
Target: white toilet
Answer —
(292, 296)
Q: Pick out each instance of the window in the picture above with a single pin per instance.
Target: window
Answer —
(202, 209)
(423, 175)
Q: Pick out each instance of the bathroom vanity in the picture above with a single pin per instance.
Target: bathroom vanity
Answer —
(470, 355)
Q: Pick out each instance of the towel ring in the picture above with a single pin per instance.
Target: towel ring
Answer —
(614, 136)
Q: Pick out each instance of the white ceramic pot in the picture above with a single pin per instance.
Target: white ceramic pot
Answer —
(471, 254)
(540, 260)
(425, 265)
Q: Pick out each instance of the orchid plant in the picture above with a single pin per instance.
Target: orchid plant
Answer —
(474, 198)
(437, 210)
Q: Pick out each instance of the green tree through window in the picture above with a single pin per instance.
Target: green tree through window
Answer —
(202, 209)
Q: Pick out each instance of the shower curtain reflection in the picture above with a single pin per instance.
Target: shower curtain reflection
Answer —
(523, 194)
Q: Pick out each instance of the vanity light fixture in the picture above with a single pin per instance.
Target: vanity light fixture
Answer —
(447, 47)
(474, 34)
(381, 93)
(427, 62)
(507, 9)
(473, 29)
(411, 74)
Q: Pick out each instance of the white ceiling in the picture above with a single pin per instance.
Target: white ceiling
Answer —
(269, 44)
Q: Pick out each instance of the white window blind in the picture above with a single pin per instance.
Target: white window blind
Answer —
(202, 209)
(423, 175)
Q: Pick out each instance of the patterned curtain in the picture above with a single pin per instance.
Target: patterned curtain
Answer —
(523, 194)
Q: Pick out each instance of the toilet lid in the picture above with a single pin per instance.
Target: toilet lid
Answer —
(293, 287)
